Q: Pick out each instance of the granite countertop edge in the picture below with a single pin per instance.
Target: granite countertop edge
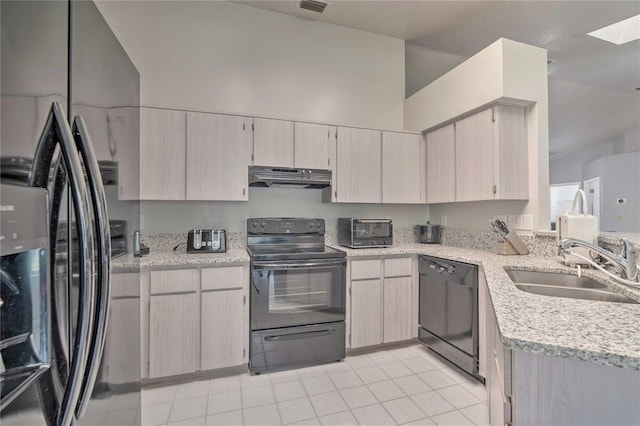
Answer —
(597, 332)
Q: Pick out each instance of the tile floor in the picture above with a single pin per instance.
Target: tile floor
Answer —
(399, 385)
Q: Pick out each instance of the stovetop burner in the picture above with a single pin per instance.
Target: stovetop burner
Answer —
(288, 239)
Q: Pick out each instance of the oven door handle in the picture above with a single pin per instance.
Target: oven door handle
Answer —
(297, 336)
(298, 265)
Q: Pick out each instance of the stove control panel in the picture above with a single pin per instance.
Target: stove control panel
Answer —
(285, 226)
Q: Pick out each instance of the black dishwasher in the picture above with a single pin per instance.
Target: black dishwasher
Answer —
(449, 311)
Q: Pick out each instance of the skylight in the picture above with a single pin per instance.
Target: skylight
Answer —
(621, 32)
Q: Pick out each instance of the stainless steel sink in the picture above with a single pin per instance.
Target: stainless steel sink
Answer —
(565, 285)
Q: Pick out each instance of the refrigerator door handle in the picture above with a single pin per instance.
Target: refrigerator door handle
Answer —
(103, 284)
(57, 132)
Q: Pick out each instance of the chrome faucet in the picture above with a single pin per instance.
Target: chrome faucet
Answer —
(626, 262)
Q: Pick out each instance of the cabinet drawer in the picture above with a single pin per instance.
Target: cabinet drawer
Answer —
(365, 269)
(397, 267)
(176, 281)
(221, 278)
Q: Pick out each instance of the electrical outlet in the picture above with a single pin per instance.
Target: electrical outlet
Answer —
(522, 222)
(513, 221)
(527, 222)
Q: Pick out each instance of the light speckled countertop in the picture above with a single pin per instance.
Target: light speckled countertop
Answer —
(599, 332)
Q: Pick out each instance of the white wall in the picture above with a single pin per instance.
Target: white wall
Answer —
(504, 70)
(180, 216)
(224, 57)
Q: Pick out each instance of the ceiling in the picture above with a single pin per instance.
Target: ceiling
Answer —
(592, 83)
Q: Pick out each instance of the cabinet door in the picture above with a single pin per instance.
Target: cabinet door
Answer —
(272, 142)
(401, 168)
(366, 313)
(121, 357)
(441, 165)
(475, 167)
(312, 145)
(359, 169)
(173, 337)
(162, 153)
(397, 309)
(512, 153)
(222, 329)
(124, 142)
(218, 154)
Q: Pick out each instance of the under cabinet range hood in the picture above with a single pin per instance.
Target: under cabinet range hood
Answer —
(260, 176)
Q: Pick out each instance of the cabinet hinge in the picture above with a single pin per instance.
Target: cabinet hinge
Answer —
(349, 291)
(493, 114)
(244, 191)
(243, 126)
(244, 353)
(494, 189)
(349, 340)
(244, 299)
(336, 135)
(329, 161)
(329, 133)
(335, 194)
(253, 128)
(251, 157)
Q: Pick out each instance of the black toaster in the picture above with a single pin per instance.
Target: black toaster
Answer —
(207, 241)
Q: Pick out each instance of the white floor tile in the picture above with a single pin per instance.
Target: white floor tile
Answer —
(188, 409)
(224, 384)
(453, 418)
(478, 414)
(266, 415)
(359, 361)
(403, 410)
(296, 410)
(308, 422)
(328, 403)
(406, 353)
(477, 389)
(284, 376)
(198, 421)
(437, 379)
(396, 369)
(248, 381)
(371, 374)
(257, 396)
(345, 379)
(289, 390)
(458, 396)
(227, 401)
(382, 357)
(318, 384)
(373, 415)
(358, 397)
(154, 414)
(125, 401)
(231, 418)
(336, 367)
(386, 390)
(457, 376)
(153, 396)
(316, 370)
(426, 421)
(344, 418)
(192, 389)
(432, 403)
(419, 365)
(412, 385)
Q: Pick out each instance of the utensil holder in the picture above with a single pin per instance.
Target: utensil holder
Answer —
(512, 245)
(505, 248)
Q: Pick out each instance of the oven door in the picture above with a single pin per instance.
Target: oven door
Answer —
(290, 293)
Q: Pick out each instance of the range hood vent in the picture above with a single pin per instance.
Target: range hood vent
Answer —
(260, 176)
(313, 5)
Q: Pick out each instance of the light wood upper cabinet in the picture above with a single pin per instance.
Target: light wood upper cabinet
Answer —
(218, 155)
(312, 143)
(401, 172)
(162, 153)
(357, 177)
(272, 142)
(491, 155)
(441, 165)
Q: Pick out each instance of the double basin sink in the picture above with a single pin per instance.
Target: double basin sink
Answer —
(565, 285)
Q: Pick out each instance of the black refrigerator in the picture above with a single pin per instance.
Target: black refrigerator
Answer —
(69, 148)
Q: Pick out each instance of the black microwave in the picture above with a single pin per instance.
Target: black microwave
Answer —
(357, 232)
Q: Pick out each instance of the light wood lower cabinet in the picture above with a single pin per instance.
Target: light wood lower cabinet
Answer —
(193, 319)
(381, 301)
(222, 329)
(173, 334)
